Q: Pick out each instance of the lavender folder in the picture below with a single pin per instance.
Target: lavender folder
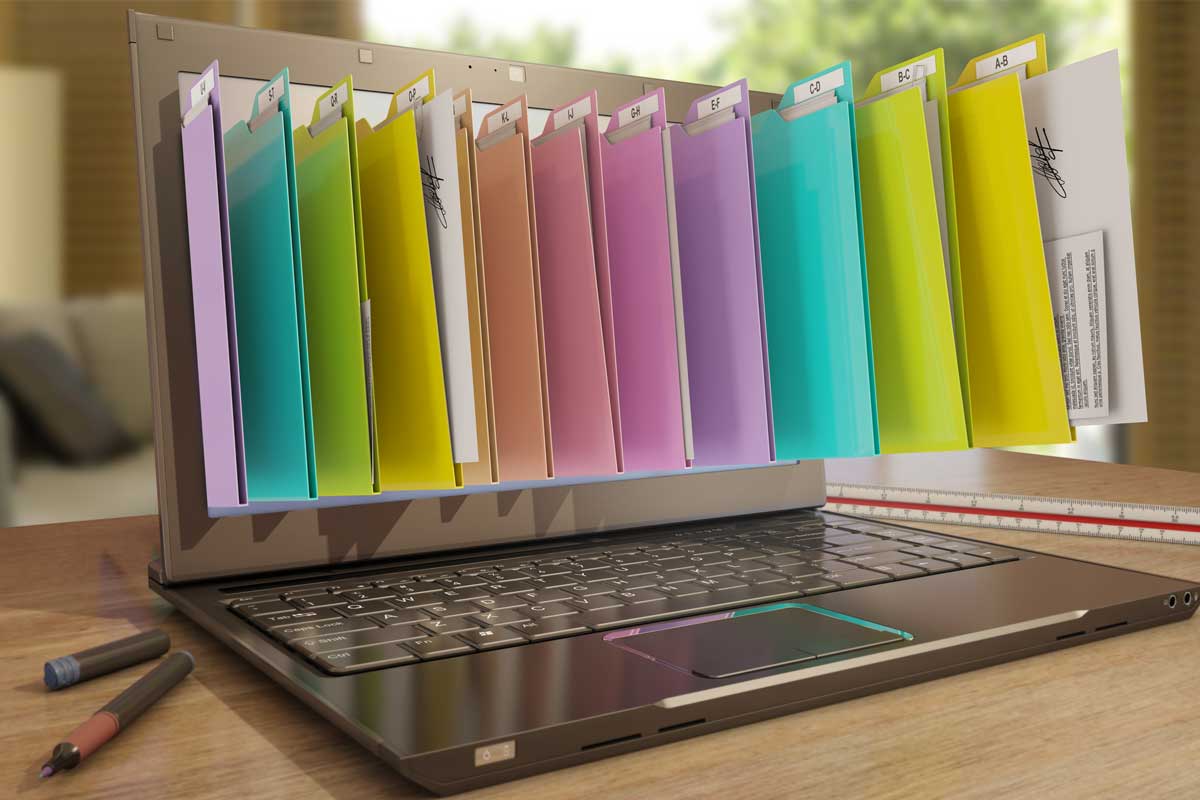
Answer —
(212, 292)
(722, 281)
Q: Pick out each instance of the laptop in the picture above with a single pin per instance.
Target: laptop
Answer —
(497, 632)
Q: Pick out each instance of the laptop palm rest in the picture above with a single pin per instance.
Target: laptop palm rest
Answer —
(755, 639)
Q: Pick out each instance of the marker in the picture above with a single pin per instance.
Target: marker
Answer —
(119, 713)
(78, 667)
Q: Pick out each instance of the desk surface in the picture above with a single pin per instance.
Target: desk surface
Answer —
(1116, 718)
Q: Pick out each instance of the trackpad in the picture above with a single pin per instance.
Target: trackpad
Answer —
(722, 648)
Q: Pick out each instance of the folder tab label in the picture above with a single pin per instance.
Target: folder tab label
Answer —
(333, 102)
(722, 100)
(577, 110)
(268, 98)
(638, 110)
(509, 114)
(834, 79)
(1015, 57)
(907, 73)
(202, 88)
(419, 90)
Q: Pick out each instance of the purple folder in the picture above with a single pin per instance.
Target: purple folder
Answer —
(721, 275)
(643, 304)
(212, 292)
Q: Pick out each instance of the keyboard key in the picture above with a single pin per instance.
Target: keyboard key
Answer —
(770, 576)
(419, 588)
(920, 538)
(605, 574)
(781, 560)
(349, 641)
(363, 609)
(848, 579)
(796, 570)
(438, 646)
(877, 546)
(457, 609)
(506, 616)
(596, 602)
(684, 589)
(589, 564)
(457, 595)
(326, 628)
(638, 596)
(635, 570)
(708, 560)
(643, 581)
(545, 596)
(499, 603)
(846, 539)
(341, 662)
(932, 565)
(545, 572)
(267, 607)
(462, 582)
(450, 625)
(548, 610)
(365, 595)
(899, 571)
(964, 560)
(399, 617)
(414, 600)
(552, 628)
(510, 587)
(925, 551)
(590, 589)
(295, 617)
(627, 559)
(961, 547)
(719, 571)
(685, 606)
(493, 637)
(994, 554)
(556, 582)
(720, 584)
(813, 584)
(319, 601)
(873, 560)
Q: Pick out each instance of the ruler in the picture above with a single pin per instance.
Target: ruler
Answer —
(1113, 520)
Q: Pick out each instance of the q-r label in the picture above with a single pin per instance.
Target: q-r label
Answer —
(333, 101)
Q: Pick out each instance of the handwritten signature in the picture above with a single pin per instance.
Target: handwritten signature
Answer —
(1043, 154)
(432, 185)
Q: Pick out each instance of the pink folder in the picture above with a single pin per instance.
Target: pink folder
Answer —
(212, 292)
(639, 254)
(577, 370)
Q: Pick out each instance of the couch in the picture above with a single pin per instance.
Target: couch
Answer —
(106, 338)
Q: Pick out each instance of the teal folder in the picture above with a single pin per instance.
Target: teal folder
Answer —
(814, 271)
(264, 231)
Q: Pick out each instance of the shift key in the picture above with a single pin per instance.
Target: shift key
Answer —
(355, 639)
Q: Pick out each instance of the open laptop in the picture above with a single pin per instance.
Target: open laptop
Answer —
(495, 633)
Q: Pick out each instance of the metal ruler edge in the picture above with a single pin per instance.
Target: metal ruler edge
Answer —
(1102, 518)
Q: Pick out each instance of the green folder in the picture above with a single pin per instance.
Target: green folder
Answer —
(337, 311)
(269, 285)
(910, 263)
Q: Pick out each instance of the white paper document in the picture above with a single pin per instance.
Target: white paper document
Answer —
(1076, 271)
(1076, 133)
(437, 143)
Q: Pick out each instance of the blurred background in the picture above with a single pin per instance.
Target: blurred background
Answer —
(71, 267)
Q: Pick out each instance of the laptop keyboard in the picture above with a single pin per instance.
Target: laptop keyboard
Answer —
(401, 617)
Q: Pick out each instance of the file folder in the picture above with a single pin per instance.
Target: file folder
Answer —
(264, 235)
(576, 367)
(814, 275)
(434, 116)
(412, 422)
(1016, 387)
(911, 238)
(648, 319)
(1074, 124)
(483, 470)
(716, 216)
(512, 286)
(212, 291)
(337, 311)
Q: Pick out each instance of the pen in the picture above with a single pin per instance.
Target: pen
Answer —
(97, 661)
(119, 713)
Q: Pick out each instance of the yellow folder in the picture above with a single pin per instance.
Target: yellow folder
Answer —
(335, 295)
(483, 470)
(1016, 388)
(908, 225)
(410, 394)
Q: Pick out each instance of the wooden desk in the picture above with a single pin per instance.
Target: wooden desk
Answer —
(1117, 718)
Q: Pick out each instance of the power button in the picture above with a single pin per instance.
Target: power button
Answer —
(492, 753)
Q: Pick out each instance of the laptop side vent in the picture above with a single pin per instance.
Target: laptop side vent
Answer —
(1111, 625)
(1071, 635)
(607, 742)
(680, 725)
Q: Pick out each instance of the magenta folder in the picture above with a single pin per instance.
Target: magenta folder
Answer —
(721, 276)
(212, 292)
(577, 373)
(643, 305)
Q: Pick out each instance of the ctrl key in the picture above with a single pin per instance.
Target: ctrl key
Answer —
(343, 662)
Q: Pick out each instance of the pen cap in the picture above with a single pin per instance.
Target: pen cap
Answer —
(106, 658)
(129, 704)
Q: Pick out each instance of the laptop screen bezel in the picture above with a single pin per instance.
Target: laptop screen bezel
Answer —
(197, 546)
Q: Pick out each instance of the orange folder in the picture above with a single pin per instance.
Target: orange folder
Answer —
(521, 404)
